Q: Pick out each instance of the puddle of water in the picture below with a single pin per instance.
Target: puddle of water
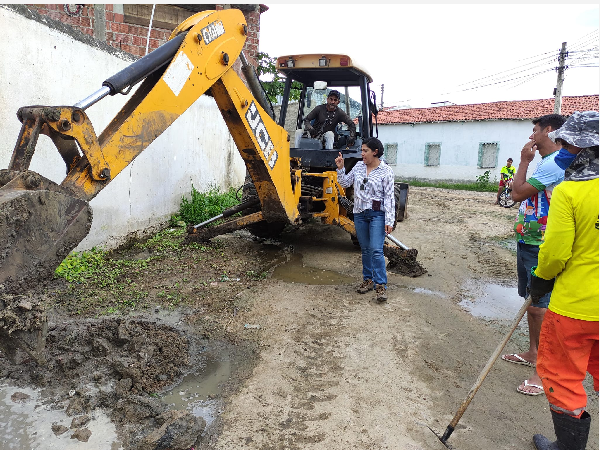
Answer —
(491, 301)
(293, 271)
(428, 292)
(198, 390)
(27, 424)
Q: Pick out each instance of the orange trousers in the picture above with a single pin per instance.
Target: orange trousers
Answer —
(568, 349)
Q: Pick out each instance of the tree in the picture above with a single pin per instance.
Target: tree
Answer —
(267, 67)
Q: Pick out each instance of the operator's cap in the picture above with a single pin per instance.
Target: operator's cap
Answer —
(580, 129)
(334, 93)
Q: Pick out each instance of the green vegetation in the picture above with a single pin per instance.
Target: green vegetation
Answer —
(140, 273)
(268, 66)
(110, 279)
(205, 205)
(481, 184)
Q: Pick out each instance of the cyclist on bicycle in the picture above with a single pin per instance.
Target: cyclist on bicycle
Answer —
(507, 173)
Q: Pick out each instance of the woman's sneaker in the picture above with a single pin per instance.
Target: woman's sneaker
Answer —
(380, 293)
(365, 287)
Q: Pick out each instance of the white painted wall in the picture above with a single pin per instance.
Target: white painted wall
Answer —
(40, 65)
(459, 147)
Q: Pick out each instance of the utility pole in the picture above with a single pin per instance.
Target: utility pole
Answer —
(381, 105)
(560, 78)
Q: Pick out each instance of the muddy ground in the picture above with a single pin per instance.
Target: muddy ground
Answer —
(313, 364)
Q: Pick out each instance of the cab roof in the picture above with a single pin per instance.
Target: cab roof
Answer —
(336, 70)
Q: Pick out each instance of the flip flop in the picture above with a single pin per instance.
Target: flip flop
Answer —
(526, 384)
(520, 360)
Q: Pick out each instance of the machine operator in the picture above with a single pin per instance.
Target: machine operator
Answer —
(326, 117)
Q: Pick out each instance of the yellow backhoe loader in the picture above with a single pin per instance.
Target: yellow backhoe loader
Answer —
(42, 221)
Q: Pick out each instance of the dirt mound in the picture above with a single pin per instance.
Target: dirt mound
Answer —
(119, 365)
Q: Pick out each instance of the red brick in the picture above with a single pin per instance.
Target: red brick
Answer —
(86, 22)
(118, 17)
(136, 40)
(109, 16)
(43, 12)
(114, 26)
(123, 28)
(108, 7)
(89, 31)
(154, 43)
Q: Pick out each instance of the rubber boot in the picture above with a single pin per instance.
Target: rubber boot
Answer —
(571, 433)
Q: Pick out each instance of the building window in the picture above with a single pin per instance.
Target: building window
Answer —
(488, 155)
(390, 153)
(433, 151)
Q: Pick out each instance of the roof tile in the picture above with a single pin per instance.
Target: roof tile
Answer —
(511, 110)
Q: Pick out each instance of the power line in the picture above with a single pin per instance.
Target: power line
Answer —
(578, 57)
(547, 60)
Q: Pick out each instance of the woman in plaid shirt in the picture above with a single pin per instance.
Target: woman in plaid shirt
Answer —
(373, 182)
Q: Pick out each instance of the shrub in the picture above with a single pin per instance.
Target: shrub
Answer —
(206, 205)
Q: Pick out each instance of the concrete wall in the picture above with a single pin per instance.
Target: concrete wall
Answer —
(459, 147)
(43, 62)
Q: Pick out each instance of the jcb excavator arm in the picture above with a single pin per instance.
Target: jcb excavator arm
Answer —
(41, 221)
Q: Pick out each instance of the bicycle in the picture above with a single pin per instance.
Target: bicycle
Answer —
(505, 199)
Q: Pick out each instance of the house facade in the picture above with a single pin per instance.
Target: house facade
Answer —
(462, 142)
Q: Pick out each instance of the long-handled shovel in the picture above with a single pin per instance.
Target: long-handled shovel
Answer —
(401, 259)
(483, 374)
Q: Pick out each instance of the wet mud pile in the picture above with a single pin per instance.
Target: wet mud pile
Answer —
(120, 366)
(22, 326)
(403, 262)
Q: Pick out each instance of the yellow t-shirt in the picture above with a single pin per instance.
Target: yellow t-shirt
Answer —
(570, 250)
(509, 172)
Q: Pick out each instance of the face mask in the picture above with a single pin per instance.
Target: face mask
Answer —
(564, 158)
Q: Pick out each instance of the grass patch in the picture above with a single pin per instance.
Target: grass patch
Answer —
(205, 205)
(481, 184)
(95, 278)
(490, 187)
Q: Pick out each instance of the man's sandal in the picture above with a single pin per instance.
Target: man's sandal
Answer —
(540, 389)
(517, 360)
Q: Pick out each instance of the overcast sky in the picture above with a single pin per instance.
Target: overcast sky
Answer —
(436, 52)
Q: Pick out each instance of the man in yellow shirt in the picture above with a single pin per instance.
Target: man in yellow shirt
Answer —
(507, 173)
(568, 345)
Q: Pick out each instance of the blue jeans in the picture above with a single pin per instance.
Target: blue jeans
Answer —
(370, 231)
(527, 257)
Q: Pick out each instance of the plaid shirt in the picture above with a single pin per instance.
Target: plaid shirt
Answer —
(379, 185)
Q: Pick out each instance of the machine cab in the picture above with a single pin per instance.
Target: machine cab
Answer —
(319, 74)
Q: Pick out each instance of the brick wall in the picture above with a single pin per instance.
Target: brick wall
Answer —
(132, 38)
(80, 17)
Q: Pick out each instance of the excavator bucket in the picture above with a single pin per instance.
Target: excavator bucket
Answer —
(40, 223)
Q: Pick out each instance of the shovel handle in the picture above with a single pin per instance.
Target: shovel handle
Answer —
(485, 371)
(397, 242)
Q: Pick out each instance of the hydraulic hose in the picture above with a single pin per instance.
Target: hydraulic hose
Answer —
(143, 67)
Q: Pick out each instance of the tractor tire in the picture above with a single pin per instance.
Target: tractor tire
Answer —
(262, 229)
(401, 202)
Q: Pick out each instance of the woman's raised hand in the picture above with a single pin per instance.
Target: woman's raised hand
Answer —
(339, 161)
